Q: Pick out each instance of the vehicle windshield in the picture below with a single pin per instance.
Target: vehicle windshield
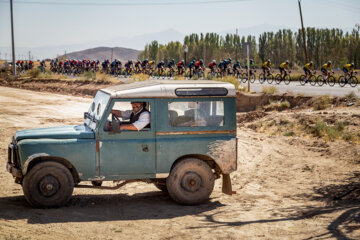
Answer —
(96, 110)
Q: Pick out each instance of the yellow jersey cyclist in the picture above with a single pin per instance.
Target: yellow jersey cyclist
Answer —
(267, 67)
(325, 69)
(283, 67)
(307, 70)
(348, 70)
(151, 64)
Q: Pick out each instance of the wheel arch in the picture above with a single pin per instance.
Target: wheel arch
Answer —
(38, 158)
(207, 159)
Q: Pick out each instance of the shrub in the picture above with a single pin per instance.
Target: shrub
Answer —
(88, 75)
(269, 89)
(321, 103)
(33, 73)
(348, 137)
(139, 77)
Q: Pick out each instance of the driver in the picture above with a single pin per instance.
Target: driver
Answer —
(139, 117)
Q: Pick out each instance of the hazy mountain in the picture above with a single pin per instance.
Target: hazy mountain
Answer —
(101, 53)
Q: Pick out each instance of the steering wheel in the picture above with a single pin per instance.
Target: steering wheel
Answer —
(114, 118)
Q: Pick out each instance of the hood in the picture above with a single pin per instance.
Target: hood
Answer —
(63, 132)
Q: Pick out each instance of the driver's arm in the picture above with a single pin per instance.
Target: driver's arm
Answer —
(116, 112)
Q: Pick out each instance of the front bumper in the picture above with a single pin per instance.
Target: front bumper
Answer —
(13, 165)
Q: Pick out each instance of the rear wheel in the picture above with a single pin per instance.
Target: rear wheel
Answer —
(278, 78)
(48, 184)
(302, 80)
(190, 182)
(320, 81)
(342, 81)
(252, 78)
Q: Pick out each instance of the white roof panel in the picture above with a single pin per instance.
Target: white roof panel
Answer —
(163, 88)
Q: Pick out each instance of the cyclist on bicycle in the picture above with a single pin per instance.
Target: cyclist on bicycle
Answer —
(307, 70)
(348, 70)
(212, 66)
(266, 67)
(128, 65)
(181, 66)
(144, 64)
(283, 67)
(236, 67)
(252, 66)
(325, 70)
(137, 66)
(191, 67)
(160, 67)
(151, 65)
(199, 65)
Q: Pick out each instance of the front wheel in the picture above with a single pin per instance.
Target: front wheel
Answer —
(48, 184)
(287, 79)
(190, 182)
(353, 81)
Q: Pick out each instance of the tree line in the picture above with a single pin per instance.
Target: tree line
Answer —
(322, 45)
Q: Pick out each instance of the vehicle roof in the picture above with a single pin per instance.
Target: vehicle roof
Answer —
(163, 88)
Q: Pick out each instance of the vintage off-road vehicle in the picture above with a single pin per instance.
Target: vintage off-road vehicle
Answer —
(191, 141)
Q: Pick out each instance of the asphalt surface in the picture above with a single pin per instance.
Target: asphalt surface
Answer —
(297, 88)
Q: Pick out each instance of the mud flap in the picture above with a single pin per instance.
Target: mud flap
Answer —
(226, 184)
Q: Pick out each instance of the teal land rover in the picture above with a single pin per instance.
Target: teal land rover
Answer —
(190, 142)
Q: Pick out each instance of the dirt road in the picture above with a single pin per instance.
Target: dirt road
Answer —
(287, 188)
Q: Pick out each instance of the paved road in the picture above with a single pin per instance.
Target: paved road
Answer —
(296, 88)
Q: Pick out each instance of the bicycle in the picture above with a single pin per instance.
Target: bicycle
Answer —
(311, 79)
(351, 80)
(286, 78)
(269, 77)
(244, 77)
(161, 73)
(320, 80)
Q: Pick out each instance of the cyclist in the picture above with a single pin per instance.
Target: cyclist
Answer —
(151, 65)
(144, 64)
(191, 67)
(252, 66)
(180, 67)
(199, 65)
(160, 67)
(348, 70)
(212, 66)
(307, 70)
(128, 66)
(283, 67)
(236, 67)
(171, 63)
(137, 66)
(227, 65)
(266, 67)
(325, 70)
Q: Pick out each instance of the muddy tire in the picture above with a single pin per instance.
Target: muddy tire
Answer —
(48, 184)
(190, 182)
(161, 185)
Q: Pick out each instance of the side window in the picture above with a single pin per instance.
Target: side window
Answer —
(196, 114)
(124, 110)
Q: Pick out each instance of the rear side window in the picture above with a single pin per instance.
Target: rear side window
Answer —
(196, 114)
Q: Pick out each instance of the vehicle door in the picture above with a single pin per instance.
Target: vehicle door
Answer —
(127, 152)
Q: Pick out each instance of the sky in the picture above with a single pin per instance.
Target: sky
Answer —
(40, 23)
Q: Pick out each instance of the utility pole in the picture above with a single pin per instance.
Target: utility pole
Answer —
(303, 31)
(12, 38)
(236, 46)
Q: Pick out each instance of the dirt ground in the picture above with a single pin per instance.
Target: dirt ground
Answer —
(287, 187)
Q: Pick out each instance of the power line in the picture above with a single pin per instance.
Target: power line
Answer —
(159, 3)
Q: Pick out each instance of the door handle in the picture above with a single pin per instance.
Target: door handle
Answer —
(145, 148)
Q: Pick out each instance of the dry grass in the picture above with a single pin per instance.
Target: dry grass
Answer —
(269, 89)
(139, 77)
(230, 79)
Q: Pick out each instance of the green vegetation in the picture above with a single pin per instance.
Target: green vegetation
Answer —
(323, 45)
(323, 130)
(33, 73)
(88, 75)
